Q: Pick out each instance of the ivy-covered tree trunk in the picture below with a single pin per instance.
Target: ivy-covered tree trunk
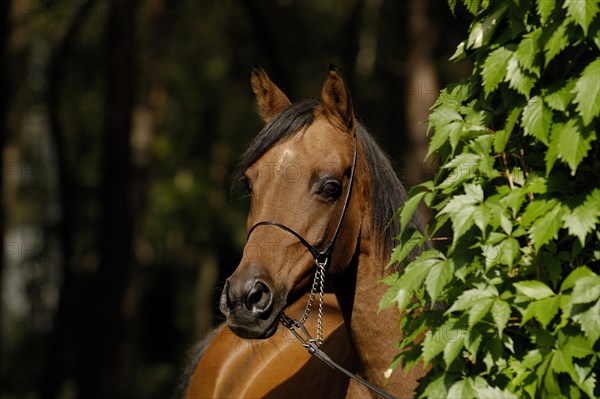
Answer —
(518, 183)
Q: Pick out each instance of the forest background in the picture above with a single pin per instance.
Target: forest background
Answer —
(121, 123)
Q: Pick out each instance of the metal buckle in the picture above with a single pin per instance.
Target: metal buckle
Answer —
(300, 332)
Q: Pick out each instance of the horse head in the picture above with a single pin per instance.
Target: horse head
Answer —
(299, 172)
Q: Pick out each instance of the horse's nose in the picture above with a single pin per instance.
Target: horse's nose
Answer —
(251, 298)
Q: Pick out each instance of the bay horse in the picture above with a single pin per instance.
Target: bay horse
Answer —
(322, 193)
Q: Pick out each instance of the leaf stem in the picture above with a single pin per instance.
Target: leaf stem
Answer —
(508, 175)
(525, 172)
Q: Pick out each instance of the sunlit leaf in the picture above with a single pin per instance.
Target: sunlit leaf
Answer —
(583, 12)
(587, 92)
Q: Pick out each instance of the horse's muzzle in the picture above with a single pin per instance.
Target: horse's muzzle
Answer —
(248, 305)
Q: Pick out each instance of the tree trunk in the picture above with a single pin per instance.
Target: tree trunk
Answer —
(102, 372)
(422, 89)
(4, 101)
(63, 327)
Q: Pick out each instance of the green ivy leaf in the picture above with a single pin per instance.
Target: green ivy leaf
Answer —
(574, 276)
(436, 388)
(409, 281)
(443, 116)
(583, 12)
(439, 275)
(461, 209)
(543, 310)
(447, 122)
(561, 363)
(537, 209)
(559, 98)
(463, 167)
(570, 142)
(389, 298)
(553, 150)
(461, 389)
(409, 240)
(409, 209)
(472, 341)
(590, 322)
(587, 92)
(459, 53)
(479, 310)
(546, 228)
(574, 143)
(545, 8)
(537, 119)
(509, 252)
(586, 290)
(518, 79)
(534, 289)
(472, 5)
(453, 348)
(493, 354)
(474, 191)
(435, 342)
(500, 313)
(442, 133)
(514, 200)
(488, 392)
(528, 50)
(483, 30)
(500, 140)
(468, 299)
(577, 347)
(582, 220)
(557, 42)
(494, 69)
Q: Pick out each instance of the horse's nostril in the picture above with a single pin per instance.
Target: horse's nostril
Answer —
(259, 298)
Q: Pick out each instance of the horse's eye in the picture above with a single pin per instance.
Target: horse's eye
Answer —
(331, 189)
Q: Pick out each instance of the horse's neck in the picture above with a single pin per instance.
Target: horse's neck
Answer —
(373, 334)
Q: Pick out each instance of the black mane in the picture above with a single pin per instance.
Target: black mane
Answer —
(388, 193)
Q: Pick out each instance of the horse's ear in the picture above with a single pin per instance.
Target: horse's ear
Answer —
(271, 100)
(336, 98)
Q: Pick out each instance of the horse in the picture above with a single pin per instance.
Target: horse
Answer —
(322, 194)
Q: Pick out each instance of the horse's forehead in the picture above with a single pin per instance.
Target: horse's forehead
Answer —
(319, 139)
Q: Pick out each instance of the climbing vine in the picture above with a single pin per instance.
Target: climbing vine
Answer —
(508, 304)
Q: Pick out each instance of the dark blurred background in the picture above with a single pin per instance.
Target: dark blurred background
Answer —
(121, 123)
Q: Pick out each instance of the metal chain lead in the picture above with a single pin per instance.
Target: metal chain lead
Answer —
(318, 283)
(321, 271)
(313, 291)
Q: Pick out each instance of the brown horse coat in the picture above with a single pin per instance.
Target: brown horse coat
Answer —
(277, 367)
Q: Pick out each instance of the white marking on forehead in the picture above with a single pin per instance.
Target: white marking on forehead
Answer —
(286, 154)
